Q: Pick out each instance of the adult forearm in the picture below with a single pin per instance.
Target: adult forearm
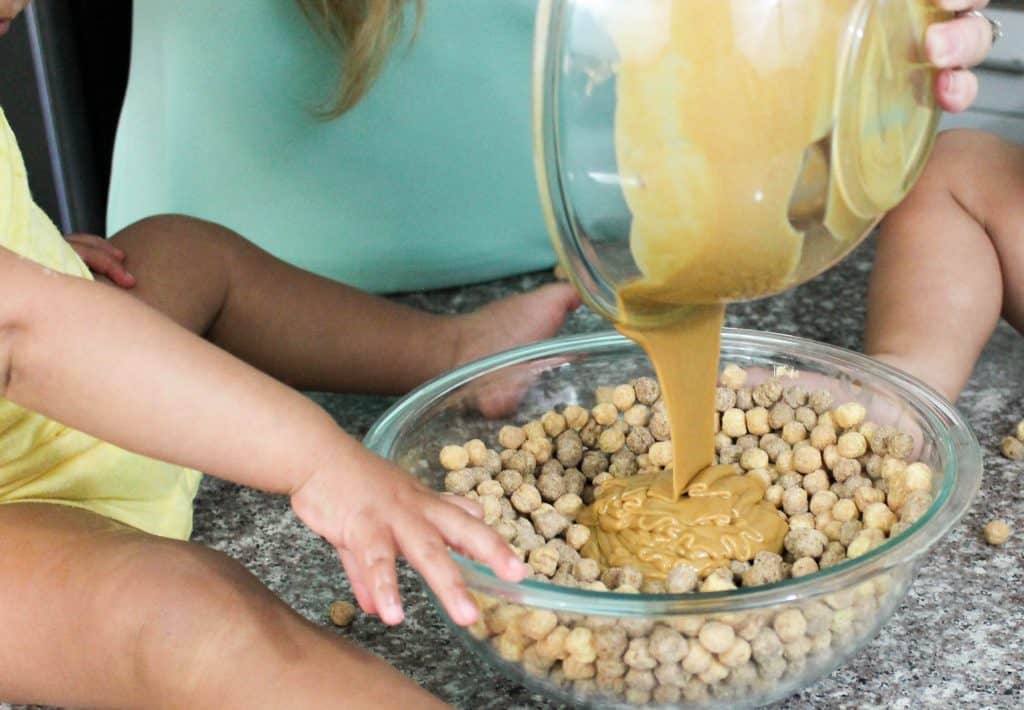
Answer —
(102, 362)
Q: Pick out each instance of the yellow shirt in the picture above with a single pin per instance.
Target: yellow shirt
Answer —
(40, 459)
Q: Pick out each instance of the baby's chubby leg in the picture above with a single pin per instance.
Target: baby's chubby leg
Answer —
(308, 331)
(950, 261)
(97, 614)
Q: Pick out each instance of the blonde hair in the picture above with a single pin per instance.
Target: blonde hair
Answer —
(364, 32)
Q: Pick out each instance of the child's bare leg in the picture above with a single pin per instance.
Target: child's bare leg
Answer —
(309, 331)
(97, 614)
(950, 260)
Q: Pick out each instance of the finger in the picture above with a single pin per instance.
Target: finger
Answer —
(98, 260)
(91, 240)
(377, 557)
(356, 577)
(111, 269)
(104, 263)
(477, 541)
(121, 277)
(470, 506)
(956, 89)
(962, 42)
(425, 550)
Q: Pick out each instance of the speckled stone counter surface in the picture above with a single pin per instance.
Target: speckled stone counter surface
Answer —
(956, 641)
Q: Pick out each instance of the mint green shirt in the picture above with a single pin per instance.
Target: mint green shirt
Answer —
(427, 183)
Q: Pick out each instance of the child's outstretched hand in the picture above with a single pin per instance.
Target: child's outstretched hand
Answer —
(102, 258)
(382, 512)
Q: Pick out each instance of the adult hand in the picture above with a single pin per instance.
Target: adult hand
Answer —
(102, 258)
(955, 46)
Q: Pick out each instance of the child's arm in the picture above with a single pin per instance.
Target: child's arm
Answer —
(98, 360)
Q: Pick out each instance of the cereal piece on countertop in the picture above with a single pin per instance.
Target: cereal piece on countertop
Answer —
(342, 613)
(1012, 448)
(996, 532)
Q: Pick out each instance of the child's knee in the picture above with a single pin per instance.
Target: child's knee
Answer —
(161, 224)
(187, 611)
(950, 179)
(174, 231)
(983, 172)
(961, 157)
(164, 245)
(965, 146)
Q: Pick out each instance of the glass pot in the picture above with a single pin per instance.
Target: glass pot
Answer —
(741, 146)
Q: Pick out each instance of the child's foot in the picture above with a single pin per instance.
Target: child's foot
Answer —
(513, 321)
(505, 324)
(943, 379)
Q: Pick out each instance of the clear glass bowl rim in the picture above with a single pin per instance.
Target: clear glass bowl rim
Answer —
(941, 420)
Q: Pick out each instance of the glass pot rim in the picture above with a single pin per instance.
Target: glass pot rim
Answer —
(940, 422)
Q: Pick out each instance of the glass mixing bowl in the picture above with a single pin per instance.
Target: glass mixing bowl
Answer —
(734, 148)
(818, 621)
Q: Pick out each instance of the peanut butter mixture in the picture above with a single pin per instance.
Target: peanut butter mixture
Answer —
(639, 522)
(725, 118)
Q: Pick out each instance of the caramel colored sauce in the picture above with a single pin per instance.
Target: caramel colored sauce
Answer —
(685, 357)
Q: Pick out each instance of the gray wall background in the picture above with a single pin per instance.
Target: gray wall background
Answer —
(63, 69)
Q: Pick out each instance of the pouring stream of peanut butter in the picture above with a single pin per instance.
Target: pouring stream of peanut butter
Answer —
(725, 110)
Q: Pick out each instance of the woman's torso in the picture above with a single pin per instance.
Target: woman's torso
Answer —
(428, 182)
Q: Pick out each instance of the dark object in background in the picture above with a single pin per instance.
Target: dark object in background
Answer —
(63, 72)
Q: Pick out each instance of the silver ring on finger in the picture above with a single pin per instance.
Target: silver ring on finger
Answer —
(995, 25)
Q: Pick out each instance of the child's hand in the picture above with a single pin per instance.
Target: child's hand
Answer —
(372, 518)
(102, 258)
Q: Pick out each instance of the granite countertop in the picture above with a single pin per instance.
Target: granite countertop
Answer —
(956, 641)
